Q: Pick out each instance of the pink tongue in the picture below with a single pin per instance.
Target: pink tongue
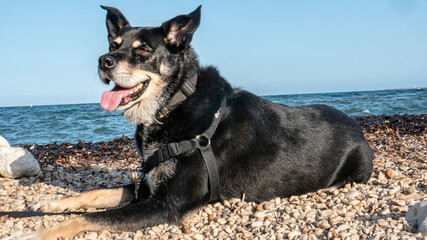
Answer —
(111, 99)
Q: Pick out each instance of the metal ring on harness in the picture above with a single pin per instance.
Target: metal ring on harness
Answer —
(203, 140)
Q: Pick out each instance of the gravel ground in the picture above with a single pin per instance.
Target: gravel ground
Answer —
(375, 210)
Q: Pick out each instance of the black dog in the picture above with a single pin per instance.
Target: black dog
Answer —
(201, 139)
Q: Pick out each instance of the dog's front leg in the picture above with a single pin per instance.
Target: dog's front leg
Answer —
(63, 230)
(102, 198)
(187, 191)
(128, 218)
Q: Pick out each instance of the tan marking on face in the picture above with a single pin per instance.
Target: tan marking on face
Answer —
(127, 76)
(163, 69)
(145, 107)
(118, 40)
(136, 44)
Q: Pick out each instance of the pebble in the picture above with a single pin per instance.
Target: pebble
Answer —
(208, 210)
(385, 211)
(326, 213)
(293, 235)
(257, 224)
(341, 228)
(91, 235)
(156, 229)
(398, 202)
(335, 221)
(375, 210)
(269, 206)
(352, 194)
(390, 173)
(104, 234)
(49, 168)
(260, 206)
(323, 224)
(138, 235)
(186, 229)
(221, 221)
(197, 237)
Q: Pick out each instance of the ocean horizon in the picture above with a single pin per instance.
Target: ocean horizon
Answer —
(71, 123)
(264, 96)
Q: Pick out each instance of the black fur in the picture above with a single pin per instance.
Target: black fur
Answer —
(263, 149)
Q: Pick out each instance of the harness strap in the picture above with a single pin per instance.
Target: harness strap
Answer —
(211, 165)
(187, 89)
(201, 142)
(209, 156)
(167, 151)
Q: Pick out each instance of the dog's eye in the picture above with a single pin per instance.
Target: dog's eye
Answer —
(143, 50)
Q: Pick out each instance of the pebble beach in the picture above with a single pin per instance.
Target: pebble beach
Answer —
(375, 210)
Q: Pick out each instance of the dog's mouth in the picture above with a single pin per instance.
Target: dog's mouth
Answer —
(119, 96)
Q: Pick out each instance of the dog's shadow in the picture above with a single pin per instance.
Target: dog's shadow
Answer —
(22, 214)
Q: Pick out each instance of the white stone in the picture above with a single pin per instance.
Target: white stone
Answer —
(4, 142)
(352, 194)
(417, 215)
(16, 162)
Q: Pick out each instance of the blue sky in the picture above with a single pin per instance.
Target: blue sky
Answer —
(50, 48)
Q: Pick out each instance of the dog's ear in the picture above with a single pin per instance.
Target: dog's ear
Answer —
(179, 30)
(116, 21)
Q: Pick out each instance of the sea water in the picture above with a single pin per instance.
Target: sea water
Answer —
(90, 123)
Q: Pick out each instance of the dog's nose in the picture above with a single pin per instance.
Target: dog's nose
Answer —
(107, 62)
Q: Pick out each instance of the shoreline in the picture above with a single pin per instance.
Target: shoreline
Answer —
(375, 210)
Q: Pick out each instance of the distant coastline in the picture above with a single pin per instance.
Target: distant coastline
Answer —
(414, 87)
(338, 92)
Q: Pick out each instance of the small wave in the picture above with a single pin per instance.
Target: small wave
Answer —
(101, 130)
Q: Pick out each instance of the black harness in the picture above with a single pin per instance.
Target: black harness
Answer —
(201, 142)
(187, 88)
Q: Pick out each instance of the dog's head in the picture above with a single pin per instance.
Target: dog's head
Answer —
(144, 63)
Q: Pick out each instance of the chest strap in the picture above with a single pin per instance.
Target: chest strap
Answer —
(201, 142)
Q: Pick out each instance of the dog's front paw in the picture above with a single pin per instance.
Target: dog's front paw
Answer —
(48, 206)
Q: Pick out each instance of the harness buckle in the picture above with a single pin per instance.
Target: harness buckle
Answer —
(203, 140)
(137, 176)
